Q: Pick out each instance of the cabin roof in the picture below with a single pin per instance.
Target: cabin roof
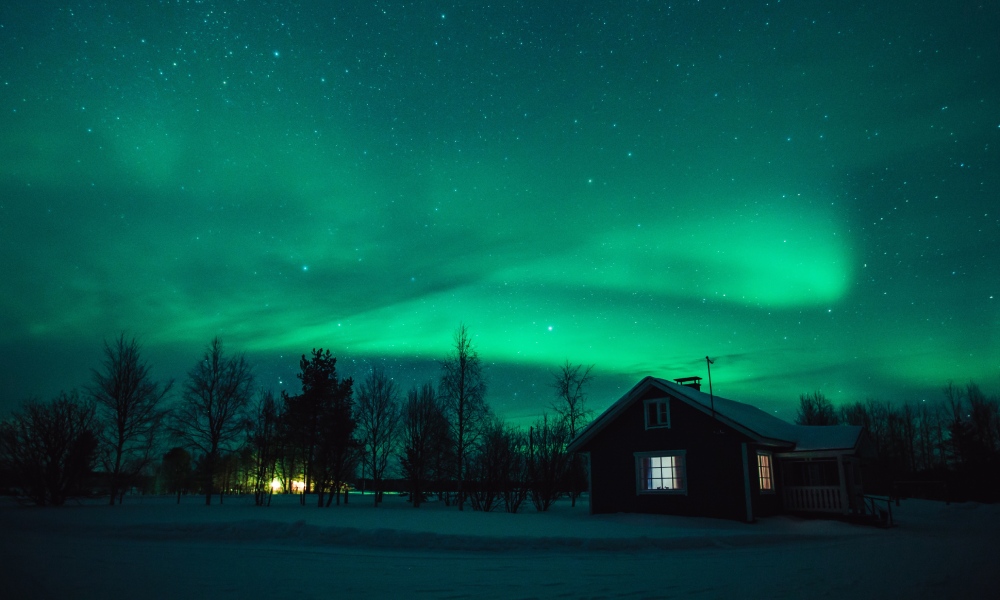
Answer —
(750, 420)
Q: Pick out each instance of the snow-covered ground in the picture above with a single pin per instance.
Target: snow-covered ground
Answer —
(153, 548)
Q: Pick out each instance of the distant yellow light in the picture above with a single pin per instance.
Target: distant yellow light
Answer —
(276, 485)
(298, 486)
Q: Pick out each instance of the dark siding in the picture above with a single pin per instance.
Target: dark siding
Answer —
(714, 460)
(765, 504)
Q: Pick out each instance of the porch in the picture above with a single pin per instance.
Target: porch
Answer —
(827, 484)
(821, 498)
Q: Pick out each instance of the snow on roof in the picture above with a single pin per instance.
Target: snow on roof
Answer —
(743, 417)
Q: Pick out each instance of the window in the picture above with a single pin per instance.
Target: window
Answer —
(764, 472)
(657, 413)
(660, 472)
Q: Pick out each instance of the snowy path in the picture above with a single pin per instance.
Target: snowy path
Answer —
(158, 551)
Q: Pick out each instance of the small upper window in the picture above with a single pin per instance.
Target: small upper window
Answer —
(764, 472)
(657, 413)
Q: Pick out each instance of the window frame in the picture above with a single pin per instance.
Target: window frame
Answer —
(770, 472)
(640, 478)
(665, 413)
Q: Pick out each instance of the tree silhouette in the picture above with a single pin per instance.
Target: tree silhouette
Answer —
(264, 444)
(378, 416)
(570, 383)
(129, 406)
(322, 418)
(50, 447)
(212, 413)
(816, 409)
(548, 462)
(497, 467)
(425, 440)
(463, 389)
(175, 471)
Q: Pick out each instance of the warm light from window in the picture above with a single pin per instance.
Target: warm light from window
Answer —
(764, 471)
(276, 486)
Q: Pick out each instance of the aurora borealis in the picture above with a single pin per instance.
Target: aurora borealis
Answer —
(807, 192)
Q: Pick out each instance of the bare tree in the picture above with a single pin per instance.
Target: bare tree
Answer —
(570, 383)
(815, 409)
(129, 407)
(378, 416)
(548, 463)
(49, 448)
(265, 446)
(212, 414)
(983, 420)
(463, 389)
(424, 441)
(497, 468)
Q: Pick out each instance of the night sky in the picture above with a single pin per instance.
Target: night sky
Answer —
(807, 192)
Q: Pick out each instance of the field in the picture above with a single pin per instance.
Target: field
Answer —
(151, 547)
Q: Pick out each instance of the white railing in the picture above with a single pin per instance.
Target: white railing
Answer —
(813, 499)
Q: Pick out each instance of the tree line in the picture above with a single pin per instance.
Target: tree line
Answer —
(227, 435)
(921, 446)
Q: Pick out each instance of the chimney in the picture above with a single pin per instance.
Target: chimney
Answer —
(691, 382)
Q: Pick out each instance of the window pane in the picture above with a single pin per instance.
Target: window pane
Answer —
(662, 473)
(764, 471)
(657, 414)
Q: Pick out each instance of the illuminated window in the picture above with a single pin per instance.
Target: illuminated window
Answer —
(657, 413)
(764, 472)
(660, 472)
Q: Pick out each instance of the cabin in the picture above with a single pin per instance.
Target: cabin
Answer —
(667, 447)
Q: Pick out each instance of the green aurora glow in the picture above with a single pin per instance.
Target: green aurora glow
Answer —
(809, 193)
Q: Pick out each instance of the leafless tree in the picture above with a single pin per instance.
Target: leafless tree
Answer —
(497, 468)
(424, 442)
(816, 409)
(956, 417)
(378, 416)
(570, 383)
(130, 409)
(463, 389)
(983, 420)
(264, 443)
(548, 462)
(212, 413)
(49, 448)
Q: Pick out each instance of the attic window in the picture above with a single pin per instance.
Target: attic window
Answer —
(657, 413)
(660, 472)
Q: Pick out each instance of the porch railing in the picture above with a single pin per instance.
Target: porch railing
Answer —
(813, 499)
(879, 508)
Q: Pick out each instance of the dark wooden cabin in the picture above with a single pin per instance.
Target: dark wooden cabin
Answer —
(668, 448)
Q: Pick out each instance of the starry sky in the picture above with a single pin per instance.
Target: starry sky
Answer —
(807, 192)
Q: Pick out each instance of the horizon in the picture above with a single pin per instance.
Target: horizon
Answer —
(805, 193)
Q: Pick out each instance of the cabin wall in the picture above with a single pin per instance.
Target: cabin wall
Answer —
(765, 503)
(714, 464)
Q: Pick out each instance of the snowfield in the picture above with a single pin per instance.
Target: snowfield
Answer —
(153, 548)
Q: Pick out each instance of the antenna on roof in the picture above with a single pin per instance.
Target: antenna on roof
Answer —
(708, 363)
